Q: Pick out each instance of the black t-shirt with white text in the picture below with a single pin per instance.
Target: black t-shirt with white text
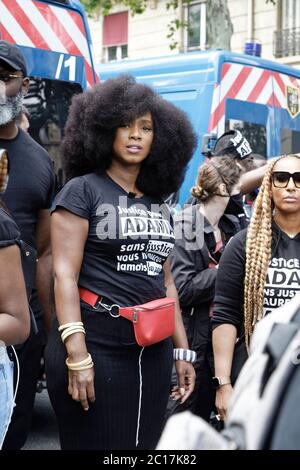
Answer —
(283, 276)
(282, 279)
(128, 241)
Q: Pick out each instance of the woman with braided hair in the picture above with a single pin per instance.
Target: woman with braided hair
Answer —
(259, 270)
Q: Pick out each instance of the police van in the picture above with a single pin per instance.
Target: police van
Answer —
(222, 90)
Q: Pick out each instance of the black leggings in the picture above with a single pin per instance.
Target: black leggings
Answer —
(132, 385)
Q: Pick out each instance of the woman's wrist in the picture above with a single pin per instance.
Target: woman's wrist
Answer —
(76, 347)
(184, 354)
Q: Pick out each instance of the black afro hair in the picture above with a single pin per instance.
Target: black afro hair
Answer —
(94, 118)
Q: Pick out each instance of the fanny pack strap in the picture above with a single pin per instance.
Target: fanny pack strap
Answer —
(115, 311)
(89, 297)
(96, 301)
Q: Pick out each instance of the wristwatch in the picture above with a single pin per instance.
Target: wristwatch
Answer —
(217, 382)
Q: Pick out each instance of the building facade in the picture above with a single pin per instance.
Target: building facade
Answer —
(272, 27)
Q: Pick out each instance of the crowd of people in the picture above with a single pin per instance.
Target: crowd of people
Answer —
(89, 271)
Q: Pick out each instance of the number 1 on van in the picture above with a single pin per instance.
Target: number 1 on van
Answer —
(70, 63)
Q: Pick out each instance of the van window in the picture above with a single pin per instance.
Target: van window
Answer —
(48, 103)
(256, 134)
(290, 141)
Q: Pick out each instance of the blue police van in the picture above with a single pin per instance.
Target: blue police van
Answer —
(221, 90)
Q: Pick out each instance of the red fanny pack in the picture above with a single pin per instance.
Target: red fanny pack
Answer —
(152, 322)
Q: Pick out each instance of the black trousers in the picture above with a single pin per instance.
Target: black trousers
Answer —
(201, 401)
(132, 386)
(29, 357)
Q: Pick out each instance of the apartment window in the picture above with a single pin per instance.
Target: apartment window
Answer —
(115, 36)
(290, 141)
(290, 14)
(287, 38)
(116, 52)
(195, 16)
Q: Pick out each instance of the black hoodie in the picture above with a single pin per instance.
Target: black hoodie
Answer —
(282, 281)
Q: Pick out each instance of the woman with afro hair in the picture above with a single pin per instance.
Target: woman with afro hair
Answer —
(125, 149)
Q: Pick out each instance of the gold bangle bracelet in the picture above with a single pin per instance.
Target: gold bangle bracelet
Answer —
(84, 362)
(71, 328)
(68, 333)
(88, 366)
(67, 325)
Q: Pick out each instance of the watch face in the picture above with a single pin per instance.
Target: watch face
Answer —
(215, 382)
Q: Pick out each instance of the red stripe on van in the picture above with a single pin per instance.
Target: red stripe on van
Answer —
(232, 92)
(259, 86)
(58, 29)
(28, 27)
(4, 34)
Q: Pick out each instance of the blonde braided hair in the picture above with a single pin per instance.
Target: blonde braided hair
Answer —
(258, 253)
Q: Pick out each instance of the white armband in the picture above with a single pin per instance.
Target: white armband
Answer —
(180, 354)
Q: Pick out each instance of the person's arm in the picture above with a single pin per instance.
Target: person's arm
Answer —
(193, 286)
(195, 283)
(252, 179)
(68, 236)
(14, 312)
(229, 290)
(224, 337)
(228, 314)
(185, 370)
(44, 274)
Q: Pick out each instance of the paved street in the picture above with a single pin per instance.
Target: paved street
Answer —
(44, 434)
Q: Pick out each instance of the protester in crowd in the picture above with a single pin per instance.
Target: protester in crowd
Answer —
(124, 148)
(263, 409)
(259, 270)
(201, 232)
(28, 198)
(233, 144)
(23, 118)
(14, 316)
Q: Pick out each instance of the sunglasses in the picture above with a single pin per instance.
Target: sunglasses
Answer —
(281, 179)
(9, 77)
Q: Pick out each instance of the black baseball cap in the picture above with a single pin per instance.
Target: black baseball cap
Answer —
(12, 56)
(232, 143)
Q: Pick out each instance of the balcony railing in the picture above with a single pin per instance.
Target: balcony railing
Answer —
(286, 42)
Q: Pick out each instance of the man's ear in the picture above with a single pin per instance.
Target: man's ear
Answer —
(25, 85)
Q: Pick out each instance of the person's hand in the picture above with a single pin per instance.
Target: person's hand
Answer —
(186, 381)
(81, 386)
(223, 396)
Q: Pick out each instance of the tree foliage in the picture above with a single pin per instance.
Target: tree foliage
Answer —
(137, 7)
(218, 15)
(104, 6)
